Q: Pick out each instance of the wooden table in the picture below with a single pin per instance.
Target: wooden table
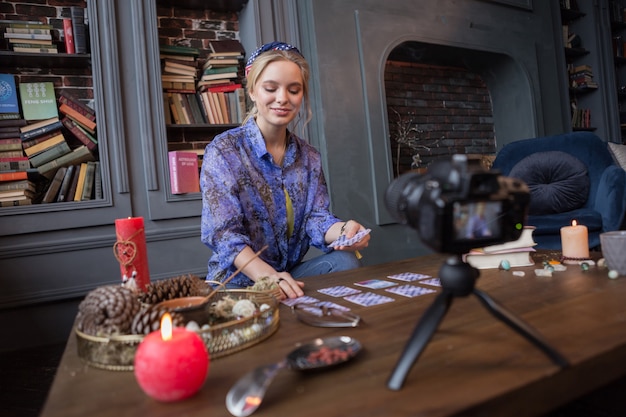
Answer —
(474, 365)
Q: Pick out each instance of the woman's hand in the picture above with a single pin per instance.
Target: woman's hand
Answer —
(349, 229)
(289, 287)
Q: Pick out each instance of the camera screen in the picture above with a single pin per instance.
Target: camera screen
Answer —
(477, 220)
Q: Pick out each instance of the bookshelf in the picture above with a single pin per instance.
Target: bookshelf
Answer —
(617, 10)
(580, 75)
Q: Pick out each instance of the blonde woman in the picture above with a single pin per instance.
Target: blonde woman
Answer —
(263, 185)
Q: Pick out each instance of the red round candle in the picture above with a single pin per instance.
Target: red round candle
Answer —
(130, 250)
(171, 369)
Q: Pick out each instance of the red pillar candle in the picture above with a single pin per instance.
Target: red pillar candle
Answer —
(130, 250)
(171, 364)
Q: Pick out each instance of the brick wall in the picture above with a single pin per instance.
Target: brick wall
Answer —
(75, 78)
(447, 108)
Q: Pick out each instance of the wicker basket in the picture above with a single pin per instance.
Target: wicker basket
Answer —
(117, 353)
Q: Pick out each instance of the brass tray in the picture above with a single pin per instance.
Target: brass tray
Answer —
(117, 353)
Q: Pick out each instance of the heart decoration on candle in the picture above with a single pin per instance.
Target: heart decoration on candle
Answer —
(125, 252)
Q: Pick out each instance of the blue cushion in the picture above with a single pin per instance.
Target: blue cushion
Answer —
(558, 181)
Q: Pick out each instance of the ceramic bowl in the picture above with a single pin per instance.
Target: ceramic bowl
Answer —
(614, 250)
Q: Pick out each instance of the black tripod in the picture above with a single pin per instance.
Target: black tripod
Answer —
(458, 279)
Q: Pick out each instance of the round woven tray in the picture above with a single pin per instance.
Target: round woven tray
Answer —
(117, 353)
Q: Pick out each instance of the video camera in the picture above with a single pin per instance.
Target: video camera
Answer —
(457, 206)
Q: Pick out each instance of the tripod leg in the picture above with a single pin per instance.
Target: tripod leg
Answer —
(521, 327)
(422, 334)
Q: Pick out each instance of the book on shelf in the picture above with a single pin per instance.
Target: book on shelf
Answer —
(35, 49)
(224, 88)
(38, 100)
(90, 173)
(17, 175)
(178, 50)
(39, 128)
(81, 44)
(65, 184)
(82, 135)
(14, 163)
(184, 174)
(178, 78)
(97, 183)
(37, 30)
(82, 174)
(52, 191)
(22, 200)
(68, 36)
(29, 24)
(11, 144)
(178, 86)
(30, 36)
(32, 148)
(227, 47)
(76, 156)
(518, 252)
(17, 185)
(71, 192)
(19, 122)
(32, 43)
(78, 117)
(11, 154)
(50, 154)
(65, 97)
(220, 62)
(9, 101)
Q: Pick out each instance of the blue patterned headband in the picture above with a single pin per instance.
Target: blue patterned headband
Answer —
(273, 46)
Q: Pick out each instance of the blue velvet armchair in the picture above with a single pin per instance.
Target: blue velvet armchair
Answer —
(571, 176)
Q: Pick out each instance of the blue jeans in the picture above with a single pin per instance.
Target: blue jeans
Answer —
(334, 261)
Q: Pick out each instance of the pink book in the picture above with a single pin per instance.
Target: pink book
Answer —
(184, 174)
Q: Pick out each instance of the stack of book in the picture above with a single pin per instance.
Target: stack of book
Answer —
(224, 64)
(30, 37)
(56, 152)
(16, 187)
(517, 253)
(581, 76)
(9, 103)
(179, 65)
(79, 120)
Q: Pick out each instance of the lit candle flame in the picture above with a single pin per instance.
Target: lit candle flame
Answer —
(166, 326)
(574, 223)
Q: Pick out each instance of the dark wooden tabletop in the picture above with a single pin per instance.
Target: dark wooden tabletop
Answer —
(474, 365)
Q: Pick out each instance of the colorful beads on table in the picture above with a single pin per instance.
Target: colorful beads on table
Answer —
(613, 274)
(584, 266)
(505, 264)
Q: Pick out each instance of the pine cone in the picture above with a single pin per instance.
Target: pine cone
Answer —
(107, 311)
(168, 289)
(149, 319)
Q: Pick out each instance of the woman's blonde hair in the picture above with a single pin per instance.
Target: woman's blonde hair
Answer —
(262, 61)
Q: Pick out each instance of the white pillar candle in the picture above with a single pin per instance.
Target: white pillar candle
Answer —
(574, 241)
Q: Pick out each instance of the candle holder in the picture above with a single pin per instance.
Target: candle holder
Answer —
(573, 261)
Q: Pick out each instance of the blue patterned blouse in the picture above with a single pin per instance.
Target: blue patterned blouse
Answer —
(244, 202)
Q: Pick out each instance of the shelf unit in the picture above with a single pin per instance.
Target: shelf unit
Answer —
(617, 10)
(576, 54)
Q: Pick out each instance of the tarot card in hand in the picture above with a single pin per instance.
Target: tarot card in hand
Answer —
(408, 276)
(339, 291)
(344, 241)
(410, 290)
(368, 299)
